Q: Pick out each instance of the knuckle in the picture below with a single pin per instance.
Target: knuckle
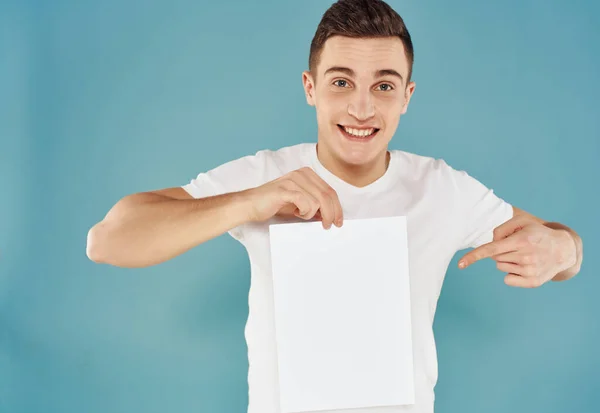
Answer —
(523, 242)
(326, 213)
(290, 185)
(287, 180)
(531, 272)
(532, 238)
(325, 194)
(300, 204)
(282, 191)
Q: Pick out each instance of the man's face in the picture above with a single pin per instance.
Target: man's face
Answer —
(359, 90)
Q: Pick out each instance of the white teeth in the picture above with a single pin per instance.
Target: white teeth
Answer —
(359, 132)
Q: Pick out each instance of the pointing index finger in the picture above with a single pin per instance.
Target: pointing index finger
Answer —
(487, 250)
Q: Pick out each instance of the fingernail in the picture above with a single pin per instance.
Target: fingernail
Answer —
(461, 264)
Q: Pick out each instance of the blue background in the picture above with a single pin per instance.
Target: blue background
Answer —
(102, 99)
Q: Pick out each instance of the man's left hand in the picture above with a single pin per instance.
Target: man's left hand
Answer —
(528, 251)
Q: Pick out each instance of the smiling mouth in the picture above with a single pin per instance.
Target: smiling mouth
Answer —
(360, 134)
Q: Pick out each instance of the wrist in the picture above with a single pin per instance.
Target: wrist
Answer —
(244, 206)
(569, 258)
(569, 250)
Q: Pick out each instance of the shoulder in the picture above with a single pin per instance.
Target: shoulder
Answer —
(298, 151)
(283, 159)
(436, 177)
(420, 167)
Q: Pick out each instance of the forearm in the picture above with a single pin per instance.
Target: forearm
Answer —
(147, 229)
(573, 269)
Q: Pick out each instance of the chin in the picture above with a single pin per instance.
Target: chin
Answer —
(359, 150)
(356, 157)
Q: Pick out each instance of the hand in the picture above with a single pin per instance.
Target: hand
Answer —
(301, 193)
(530, 252)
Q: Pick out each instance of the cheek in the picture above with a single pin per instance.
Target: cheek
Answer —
(324, 117)
(390, 110)
(329, 106)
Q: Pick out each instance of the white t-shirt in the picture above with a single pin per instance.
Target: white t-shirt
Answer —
(446, 210)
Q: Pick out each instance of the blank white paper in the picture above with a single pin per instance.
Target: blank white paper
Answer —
(342, 314)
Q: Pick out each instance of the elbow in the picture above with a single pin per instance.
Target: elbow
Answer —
(104, 247)
(96, 246)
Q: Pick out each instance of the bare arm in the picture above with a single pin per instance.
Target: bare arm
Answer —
(148, 228)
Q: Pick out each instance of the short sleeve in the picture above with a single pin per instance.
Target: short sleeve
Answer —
(234, 176)
(479, 210)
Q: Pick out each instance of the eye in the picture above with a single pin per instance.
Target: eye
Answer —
(385, 87)
(341, 83)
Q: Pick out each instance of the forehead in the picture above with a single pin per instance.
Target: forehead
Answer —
(364, 55)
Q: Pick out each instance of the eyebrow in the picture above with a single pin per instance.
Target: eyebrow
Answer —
(378, 74)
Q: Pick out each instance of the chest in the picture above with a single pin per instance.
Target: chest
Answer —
(431, 238)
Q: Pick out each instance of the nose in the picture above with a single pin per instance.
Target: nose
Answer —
(361, 106)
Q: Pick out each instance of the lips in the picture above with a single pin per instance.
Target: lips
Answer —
(358, 133)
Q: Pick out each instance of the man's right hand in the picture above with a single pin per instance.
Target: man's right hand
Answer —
(301, 193)
(144, 229)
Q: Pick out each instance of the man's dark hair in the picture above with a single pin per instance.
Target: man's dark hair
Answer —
(360, 19)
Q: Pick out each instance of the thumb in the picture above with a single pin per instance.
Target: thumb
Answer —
(510, 227)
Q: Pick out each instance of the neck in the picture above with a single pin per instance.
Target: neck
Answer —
(356, 175)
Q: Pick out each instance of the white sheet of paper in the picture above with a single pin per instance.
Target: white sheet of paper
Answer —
(342, 314)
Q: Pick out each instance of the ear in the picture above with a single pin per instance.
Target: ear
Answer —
(309, 87)
(410, 89)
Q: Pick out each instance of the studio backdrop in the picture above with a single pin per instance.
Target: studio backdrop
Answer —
(102, 99)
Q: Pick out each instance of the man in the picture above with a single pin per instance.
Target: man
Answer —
(359, 81)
